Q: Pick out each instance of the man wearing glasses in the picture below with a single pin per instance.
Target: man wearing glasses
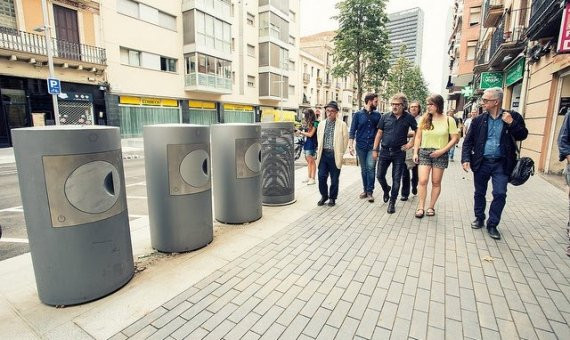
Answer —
(392, 136)
(415, 111)
(332, 137)
(489, 150)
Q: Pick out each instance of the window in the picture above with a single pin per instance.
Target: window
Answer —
(250, 81)
(273, 26)
(312, 71)
(291, 40)
(250, 19)
(167, 64)
(471, 47)
(474, 16)
(291, 90)
(291, 65)
(250, 50)
(7, 14)
(130, 57)
(210, 31)
(146, 13)
(292, 16)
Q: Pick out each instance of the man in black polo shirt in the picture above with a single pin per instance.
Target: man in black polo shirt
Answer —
(392, 135)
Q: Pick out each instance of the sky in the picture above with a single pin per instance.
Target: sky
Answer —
(434, 40)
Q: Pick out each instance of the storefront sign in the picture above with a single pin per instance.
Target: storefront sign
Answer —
(129, 100)
(514, 73)
(564, 36)
(195, 104)
(76, 97)
(491, 79)
(235, 107)
(150, 101)
(169, 102)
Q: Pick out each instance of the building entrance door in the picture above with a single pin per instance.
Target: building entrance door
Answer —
(67, 31)
(13, 114)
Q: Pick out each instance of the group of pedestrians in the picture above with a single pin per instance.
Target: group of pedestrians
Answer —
(383, 140)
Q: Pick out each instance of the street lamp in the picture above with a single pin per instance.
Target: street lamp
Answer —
(47, 30)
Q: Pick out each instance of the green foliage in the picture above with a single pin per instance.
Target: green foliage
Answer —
(406, 78)
(361, 43)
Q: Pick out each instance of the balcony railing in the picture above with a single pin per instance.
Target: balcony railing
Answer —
(20, 41)
(545, 18)
(319, 81)
(493, 9)
(497, 39)
(506, 44)
(306, 78)
(208, 82)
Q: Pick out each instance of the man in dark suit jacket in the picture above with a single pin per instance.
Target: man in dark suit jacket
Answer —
(564, 150)
(489, 150)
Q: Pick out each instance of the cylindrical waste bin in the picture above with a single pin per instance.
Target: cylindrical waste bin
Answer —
(277, 163)
(177, 166)
(73, 193)
(236, 172)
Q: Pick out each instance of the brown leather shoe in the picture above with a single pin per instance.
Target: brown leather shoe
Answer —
(363, 195)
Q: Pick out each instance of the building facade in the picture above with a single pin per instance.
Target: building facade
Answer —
(79, 59)
(406, 28)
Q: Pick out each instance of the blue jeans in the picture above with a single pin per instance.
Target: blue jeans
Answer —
(452, 152)
(398, 160)
(327, 166)
(492, 170)
(367, 169)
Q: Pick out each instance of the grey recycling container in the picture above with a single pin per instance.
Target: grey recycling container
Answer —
(277, 163)
(73, 193)
(236, 172)
(177, 168)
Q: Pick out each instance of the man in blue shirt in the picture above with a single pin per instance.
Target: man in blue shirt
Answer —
(564, 150)
(363, 129)
(489, 149)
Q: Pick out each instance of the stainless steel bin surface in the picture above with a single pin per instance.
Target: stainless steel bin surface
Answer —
(73, 193)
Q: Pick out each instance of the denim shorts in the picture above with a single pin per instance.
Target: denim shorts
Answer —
(310, 152)
(440, 162)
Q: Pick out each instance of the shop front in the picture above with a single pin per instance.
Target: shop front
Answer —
(234, 113)
(136, 112)
(26, 102)
(513, 85)
(203, 112)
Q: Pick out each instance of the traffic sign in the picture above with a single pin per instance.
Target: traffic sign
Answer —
(54, 86)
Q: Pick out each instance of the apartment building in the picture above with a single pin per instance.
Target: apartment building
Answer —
(463, 41)
(406, 28)
(319, 47)
(79, 59)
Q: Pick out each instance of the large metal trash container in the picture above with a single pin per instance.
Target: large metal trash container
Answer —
(177, 166)
(236, 172)
(277, 163)
(73, 194)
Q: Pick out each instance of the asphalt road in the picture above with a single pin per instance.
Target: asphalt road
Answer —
(14, 239)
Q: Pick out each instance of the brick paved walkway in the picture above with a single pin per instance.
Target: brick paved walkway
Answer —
(353, 271)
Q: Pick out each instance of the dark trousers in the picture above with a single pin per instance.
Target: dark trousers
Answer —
(406, 180)
(327, 166)
(492, 170)
(398, 160)
(367, 169)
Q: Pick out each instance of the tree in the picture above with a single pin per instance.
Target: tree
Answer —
(406, 78)
(361, 43)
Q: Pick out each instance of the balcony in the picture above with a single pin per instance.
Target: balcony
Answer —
(493, 10)
(208, 83)
(338, 86)
(319, 81)
(306, 78)
(29, 46)
(217, 8)
(505, 46)
(545, 19)
(327, 83)
(482, 57)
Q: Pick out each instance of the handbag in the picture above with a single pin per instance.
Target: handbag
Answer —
(524, 168)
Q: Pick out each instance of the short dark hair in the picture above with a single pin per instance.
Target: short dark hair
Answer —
(369, 97)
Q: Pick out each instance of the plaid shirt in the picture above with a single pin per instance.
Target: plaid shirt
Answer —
(329, 135)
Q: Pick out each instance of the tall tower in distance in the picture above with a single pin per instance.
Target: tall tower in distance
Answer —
(406, 28)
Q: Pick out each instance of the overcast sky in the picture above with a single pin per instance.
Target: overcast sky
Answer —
(316, 17)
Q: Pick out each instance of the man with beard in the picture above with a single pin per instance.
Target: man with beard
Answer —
(363, 129)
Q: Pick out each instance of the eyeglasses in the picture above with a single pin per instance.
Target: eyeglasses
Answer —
(396, 104)
(488, 100)
(430, 104)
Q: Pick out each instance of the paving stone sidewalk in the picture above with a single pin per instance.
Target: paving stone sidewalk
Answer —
(353, 271)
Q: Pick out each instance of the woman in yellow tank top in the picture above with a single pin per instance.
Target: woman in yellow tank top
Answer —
(435, 136)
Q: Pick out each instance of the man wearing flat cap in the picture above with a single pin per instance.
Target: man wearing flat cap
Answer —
(332, 137)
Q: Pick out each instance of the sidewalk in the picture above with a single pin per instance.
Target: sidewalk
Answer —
(351, 271)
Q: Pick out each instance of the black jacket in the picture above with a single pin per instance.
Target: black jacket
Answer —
(474, 143)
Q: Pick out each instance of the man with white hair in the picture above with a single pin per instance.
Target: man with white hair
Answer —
(489, 150)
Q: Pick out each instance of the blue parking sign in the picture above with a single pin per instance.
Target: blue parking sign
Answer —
(54, 86)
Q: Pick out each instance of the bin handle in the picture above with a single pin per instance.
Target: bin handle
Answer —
(109, 184)
(205, 167)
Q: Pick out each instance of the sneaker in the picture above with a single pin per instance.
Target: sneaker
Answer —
(311, 181)
(363, 195)
(305, 180)
(370, 198)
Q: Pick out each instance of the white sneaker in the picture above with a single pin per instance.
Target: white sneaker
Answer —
(311, 181)
(305, 180)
